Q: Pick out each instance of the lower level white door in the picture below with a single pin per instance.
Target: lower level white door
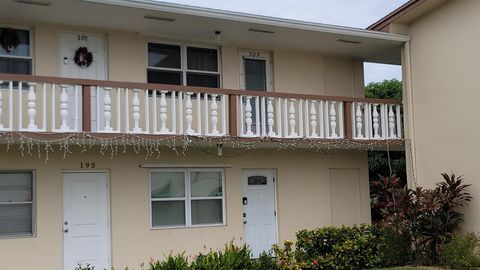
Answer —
(260, 221)
(86, 222)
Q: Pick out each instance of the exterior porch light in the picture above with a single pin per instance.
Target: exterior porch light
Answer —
(219, 150)
(35, 3)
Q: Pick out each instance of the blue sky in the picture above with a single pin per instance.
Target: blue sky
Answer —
(353, 13)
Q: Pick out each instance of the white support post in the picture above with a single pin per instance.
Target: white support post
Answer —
(173, 101)
(199, 114)
(285, 117)
(32, 106)
(188, 112)
(321, 118)
(119, 111)
(97, 97)
(242, 117)
(180, 112)
(359, 120)
(340, 120)
(270, 115)
(263, 112)
(300, 118)
(383, 121)
(10, 105)
(107, 110)
(333, 120)
(257, 116)
(127, 111)
(163, 112)
(248, 116)
(136, 111)
(278, 117)
(206, 113)
(391, 122)
(64, 108)
(44, 106)
(214, 115)
(399, 121)
(54, 111)
(20, 106)
(292, 115)
(313, 119)
(146, 102)
(224, 114)
(375, 121)
(154, 111)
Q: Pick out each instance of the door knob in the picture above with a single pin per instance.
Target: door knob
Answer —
(65, 231)
(245, 222)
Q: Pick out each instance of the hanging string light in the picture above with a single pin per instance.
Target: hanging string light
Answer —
(152, 146)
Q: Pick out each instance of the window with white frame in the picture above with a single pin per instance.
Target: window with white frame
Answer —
(183, 65)
(187, 197)
(16, 203)
(15, 51)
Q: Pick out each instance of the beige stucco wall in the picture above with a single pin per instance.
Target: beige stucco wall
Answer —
(303, 195)
(444, 89)
(293, 71)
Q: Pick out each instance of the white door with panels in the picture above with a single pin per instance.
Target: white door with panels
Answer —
(86, 220)
(259, 217)
(70, 44)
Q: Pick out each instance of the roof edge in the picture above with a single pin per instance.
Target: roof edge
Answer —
(392, 16)
(251, 18)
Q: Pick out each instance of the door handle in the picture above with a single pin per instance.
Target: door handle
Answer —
(244, 222)
(65, 231)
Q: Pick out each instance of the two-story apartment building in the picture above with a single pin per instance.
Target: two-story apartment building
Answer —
(132, 128)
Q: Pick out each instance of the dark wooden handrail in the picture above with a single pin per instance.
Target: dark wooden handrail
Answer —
(194, 89)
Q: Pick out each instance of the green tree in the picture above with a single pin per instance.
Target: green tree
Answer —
(388, 89)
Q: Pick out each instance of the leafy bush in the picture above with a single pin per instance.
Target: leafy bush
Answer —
(84, 267)
(339, 248)
(396, 249)
(461, 252)
(427, 217)
(232, 257)
(266, 261)
(172, 262)
(286, 256)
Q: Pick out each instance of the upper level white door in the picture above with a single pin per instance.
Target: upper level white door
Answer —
(260, 221)
(70, 42)
(86, 222)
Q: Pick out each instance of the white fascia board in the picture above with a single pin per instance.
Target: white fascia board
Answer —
(250, 18)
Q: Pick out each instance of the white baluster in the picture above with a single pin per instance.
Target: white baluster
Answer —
(188, 112)
(32, 103)
(248, 115)
(214, 114)
(375, 120)
(1, 125)
(270, 120)
(358, 119)
(391, 122)
(292, 116)
(136, 111)
(333, 120)
(313, 118)
(163, 111)
(107, 109)
(64, 108)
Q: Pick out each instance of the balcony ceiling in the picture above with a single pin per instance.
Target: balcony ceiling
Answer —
(199, 24)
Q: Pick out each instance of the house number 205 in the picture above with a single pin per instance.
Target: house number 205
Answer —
(82, 38)
(87, 165)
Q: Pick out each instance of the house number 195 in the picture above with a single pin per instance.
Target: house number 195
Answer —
(87, 165)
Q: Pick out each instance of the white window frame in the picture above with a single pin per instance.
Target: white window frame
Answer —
(33, 203)
(256, 55)
(183, 61)
(188, 198)
(32, 44)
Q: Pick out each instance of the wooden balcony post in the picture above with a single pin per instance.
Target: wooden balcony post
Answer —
(232, 115)
(347, 114)
(86, 109)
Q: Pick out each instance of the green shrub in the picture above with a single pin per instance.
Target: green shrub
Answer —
(339, 248)
(266, 261)
(396, 248)
(84, 267)
(232, 257)
(461, 252)
(172, 262)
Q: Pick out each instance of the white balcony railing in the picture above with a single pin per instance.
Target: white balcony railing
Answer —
(48, 104)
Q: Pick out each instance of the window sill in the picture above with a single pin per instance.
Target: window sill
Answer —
(188, 227)
(17, 236)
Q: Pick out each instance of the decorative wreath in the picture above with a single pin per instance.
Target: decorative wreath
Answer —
(83, 57)
(9, 40)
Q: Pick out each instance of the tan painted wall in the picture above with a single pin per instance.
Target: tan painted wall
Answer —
(444, 88)
(303, 197)
(293, 71)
